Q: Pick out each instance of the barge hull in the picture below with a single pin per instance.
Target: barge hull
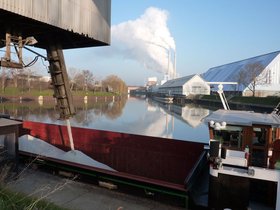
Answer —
(152, 160)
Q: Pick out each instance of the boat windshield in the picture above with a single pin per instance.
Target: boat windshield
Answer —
(230, 138)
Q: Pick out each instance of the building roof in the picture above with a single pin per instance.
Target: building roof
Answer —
(243, 118)
(178, 82)
(229, 72)
(73, 24)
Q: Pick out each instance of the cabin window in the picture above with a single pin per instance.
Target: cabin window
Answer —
(230, 138)
(259, 150)
(259, 136)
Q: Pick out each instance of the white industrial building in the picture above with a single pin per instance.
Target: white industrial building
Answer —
(267, 79)
(151, 81)
(185, 86)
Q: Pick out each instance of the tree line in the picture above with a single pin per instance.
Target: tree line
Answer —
(27, 79)
(85, 80)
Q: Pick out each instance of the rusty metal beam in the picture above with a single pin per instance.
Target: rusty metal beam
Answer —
(60, 81)
(10, 64)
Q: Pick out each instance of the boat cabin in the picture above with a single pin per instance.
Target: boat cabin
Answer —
(244, 155)
(239, 130)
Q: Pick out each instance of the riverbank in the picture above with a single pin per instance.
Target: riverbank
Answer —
(15, 95)
(51, 99)
(266, 104)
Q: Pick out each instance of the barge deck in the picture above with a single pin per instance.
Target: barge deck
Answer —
(154, 164)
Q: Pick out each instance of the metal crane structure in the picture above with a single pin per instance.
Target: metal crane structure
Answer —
(221, 92)
(53, 25)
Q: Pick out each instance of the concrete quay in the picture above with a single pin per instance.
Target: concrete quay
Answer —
(74, 195)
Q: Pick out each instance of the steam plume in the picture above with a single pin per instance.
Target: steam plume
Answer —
(146, 40)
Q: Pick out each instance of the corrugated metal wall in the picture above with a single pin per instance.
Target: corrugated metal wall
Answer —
(86, 17)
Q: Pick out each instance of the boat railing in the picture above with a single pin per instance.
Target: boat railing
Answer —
(276, 110)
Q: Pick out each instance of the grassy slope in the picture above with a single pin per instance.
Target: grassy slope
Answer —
(15, 201)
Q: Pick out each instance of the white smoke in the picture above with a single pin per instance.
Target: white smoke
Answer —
(147, 40)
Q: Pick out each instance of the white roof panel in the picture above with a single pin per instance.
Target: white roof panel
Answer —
(243, 118)
(229, 72)
(179, 81)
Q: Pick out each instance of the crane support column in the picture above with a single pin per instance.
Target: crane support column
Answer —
(60, 81)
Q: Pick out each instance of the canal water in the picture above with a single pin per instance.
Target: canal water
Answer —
(162, 162)
(130, 115)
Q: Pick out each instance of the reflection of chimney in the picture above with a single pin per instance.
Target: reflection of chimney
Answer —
(166, 122)
(172, 123)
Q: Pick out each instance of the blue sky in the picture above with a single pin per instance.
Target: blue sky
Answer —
(206, 33)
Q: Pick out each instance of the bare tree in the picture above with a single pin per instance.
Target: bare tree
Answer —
(15, 73)
(252, 75)
(89, 79)
(4, 79)
(72, 73)
(115, 84)
(84, 80)
(240, 79)
(78, 81)
(29, 72)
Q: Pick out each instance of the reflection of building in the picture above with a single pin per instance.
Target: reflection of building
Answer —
(151, 108)
(184, 86)
(192, 115)
(264, 69)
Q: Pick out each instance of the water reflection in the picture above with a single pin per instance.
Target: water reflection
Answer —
(190, 113)
(46, 110)
(191, 118)
(95, 109)
(132, 115)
